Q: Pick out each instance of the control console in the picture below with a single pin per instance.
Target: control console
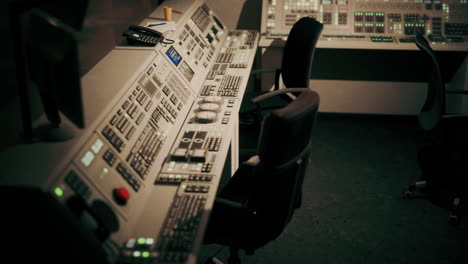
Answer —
(156, 154)
(373, 24)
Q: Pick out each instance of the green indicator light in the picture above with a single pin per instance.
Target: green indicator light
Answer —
(136, 254)
(145, 254)
(200, 164)
(105, 170)
(141, 240)
(184, 186)
(58, 191)
(443, 43)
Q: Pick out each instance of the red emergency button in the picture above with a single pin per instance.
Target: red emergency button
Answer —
(121, 195)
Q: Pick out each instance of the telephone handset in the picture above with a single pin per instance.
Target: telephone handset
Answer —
(137, 35)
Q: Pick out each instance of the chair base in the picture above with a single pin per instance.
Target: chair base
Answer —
(233, 258)
(417, 190)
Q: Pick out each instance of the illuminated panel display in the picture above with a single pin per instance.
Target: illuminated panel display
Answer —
(186, 71)
(88, 158)
(173, 56)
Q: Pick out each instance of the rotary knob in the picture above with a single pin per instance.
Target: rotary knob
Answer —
(205, 117)
(213, 99)
(210, 107)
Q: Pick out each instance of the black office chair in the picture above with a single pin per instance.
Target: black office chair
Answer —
(443, 159)
(295, 68)
(257, 203)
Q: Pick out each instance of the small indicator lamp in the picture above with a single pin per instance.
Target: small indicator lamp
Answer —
(149, 241)
(105, 170)
(145, 254)
(141, 240)
(58, 191)
(131, 243)
(136, 254)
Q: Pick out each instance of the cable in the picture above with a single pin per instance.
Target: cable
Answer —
(166, 41)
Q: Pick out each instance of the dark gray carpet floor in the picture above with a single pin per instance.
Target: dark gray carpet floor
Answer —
(353, 211)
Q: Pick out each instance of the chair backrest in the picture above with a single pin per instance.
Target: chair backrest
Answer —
(299, 51)
(434, 105)
(284, 146)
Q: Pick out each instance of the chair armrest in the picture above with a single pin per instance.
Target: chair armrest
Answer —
(268, 95)
(277, 72)
(253, 72)
(456, 91)
(233, 208)
(229, 203)
(252, 161)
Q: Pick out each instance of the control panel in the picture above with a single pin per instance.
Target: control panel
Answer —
(445, 22)
(196, 43)
(126, 150)
(156, 155)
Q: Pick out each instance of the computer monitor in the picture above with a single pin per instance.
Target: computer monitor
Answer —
(51, 65)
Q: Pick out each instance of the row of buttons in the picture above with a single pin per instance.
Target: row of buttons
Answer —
(237, 65)
(197, 188)
(170, 109)
(145, 150)
(180, 228)
(124, 172)
(138, 250)
(77, 185)
(109, 157)
(214, 143)
(229, 86)
(207, 167)
(178, 178)
(113, 138)
(456, 29)
(376, 38)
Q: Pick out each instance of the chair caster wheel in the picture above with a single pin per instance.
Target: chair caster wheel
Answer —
(249, 252)
(234, 260)
(213, 260)
(407, 194)
(454, 220)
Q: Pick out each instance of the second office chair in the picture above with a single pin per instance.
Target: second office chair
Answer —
(296, 65)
